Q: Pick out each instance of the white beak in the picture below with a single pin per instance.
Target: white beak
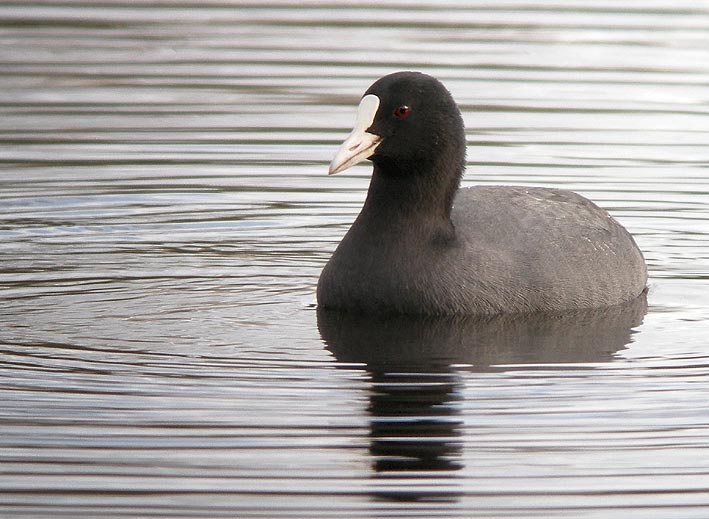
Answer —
(359, 144)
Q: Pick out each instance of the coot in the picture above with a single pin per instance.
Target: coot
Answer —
(420, 245)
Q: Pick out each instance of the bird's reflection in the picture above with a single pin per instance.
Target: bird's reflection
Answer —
(413, 426)
(580, 336)
(415, 432)
(416, 368)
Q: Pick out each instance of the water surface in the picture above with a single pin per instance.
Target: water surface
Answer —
(165, 213)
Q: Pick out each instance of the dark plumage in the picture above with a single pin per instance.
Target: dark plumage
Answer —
(421, 246)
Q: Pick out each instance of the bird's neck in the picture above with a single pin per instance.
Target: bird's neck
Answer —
(415, 196)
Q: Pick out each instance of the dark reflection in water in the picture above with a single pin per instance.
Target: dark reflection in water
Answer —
(415, 431)
(406, 341)
(415, 364)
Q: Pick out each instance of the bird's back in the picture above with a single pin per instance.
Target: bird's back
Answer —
(539, 249)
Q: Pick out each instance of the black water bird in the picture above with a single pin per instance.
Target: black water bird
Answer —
(420, 245)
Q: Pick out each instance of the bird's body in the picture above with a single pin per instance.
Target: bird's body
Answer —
(420, 246)
(579, 257)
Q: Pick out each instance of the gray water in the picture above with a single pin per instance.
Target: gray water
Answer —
(165, 213)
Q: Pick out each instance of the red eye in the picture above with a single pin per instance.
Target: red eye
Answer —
(402, 112)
